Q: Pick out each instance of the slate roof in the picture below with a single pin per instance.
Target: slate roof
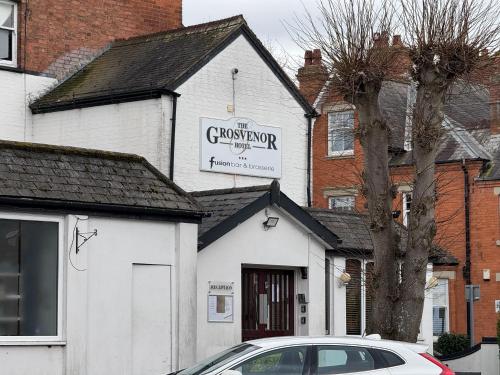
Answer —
(230, 207)
(37, 174)
(353, 232)
(152, 65)
(467, 113)
(224, 203)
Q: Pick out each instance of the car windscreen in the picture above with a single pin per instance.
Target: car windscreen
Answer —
(219, 360)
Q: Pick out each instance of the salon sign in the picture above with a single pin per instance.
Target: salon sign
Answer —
(240, 146)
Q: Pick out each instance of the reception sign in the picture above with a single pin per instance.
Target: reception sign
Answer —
(240, 146)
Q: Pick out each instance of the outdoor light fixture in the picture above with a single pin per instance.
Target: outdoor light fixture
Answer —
(271, 222)
(344, 279)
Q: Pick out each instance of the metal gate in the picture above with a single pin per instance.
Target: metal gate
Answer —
(267, 303)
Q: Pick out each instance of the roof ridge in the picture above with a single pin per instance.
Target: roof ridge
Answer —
(200, 27)
(235, 190)
(71, 150)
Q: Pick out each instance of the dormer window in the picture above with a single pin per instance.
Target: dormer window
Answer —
(8, 32)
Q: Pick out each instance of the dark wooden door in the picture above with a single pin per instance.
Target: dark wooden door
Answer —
(267, 303)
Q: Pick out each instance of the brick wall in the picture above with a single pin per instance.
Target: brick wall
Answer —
(57, 36)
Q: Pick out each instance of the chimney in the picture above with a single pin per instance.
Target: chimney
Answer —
(312, 76)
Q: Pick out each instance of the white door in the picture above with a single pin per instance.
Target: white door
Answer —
(151, 320)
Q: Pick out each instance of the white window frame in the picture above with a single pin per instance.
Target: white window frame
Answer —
(364, 263)
(333, 197)
(346, 152)
(447, 308)
(44, 340)
(12, 63)
(405, 210)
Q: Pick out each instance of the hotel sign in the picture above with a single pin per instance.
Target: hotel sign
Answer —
(240, 146)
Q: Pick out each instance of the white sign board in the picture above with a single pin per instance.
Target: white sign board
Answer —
(240, 146)
(220, 301)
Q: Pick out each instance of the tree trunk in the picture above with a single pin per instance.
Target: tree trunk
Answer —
(377, 188)
(426, 132)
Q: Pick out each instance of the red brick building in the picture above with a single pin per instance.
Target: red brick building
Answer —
(467, 173)
(56, 36)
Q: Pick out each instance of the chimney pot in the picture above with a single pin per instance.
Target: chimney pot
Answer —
(396, 40)
(316, 57)
(308, 58)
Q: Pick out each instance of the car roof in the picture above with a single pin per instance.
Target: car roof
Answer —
(344, 340)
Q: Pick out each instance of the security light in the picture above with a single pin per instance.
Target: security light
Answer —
(344, 279)
(271, 222)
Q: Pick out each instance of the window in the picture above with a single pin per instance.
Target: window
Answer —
(8, 37)
(440, 307)
(353, 297)
(289, 361)
(341, 133)
(406, 208)
(336, 359)
(29, 285)
(344, 359)
(342, 203)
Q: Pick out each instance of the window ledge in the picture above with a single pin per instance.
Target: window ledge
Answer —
(344, 155)
(32, 343)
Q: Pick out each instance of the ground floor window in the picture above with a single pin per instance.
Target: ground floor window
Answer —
(29, 278)
(358, 295)
(440, 307)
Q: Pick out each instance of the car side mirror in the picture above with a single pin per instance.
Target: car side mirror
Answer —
(230, 372)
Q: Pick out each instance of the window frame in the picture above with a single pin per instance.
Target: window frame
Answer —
(43, 340)
(406, 212)
(14, 29)
(346, 152)
(363, 294)
(345, 208)
(446, 307)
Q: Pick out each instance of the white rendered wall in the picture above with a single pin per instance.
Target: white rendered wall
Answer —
(97, 314)
(141, 127)
(287, 245)
(16, 91)
(260, 96)
(144, 127)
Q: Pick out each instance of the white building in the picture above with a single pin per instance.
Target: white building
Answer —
(88, 241)
(210, 108)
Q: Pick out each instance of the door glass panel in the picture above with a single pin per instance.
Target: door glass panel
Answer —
(286, 361)
(344, 360)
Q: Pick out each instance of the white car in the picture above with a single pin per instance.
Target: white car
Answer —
(321, 356)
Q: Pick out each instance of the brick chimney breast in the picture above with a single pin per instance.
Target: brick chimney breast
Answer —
(312, 76)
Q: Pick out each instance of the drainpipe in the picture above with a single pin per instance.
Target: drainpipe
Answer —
(309, 117)
(172, 137)
(467, 267)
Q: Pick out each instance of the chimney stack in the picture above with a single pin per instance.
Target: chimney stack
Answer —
(312, 76)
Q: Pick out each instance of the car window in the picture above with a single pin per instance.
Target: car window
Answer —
(219, 359)
(336, 359)
(385, 358)
(285, 361)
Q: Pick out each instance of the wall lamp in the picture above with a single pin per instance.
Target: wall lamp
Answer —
(344, 279)
(271, 222)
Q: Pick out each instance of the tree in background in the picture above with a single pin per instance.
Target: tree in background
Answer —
(445, 39)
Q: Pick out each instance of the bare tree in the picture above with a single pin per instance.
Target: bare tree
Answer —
(351, 35)
(444, 39)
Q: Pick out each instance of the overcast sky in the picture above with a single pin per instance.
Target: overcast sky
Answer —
(265, 17)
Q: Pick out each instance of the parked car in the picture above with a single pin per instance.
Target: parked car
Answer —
(321, 356)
